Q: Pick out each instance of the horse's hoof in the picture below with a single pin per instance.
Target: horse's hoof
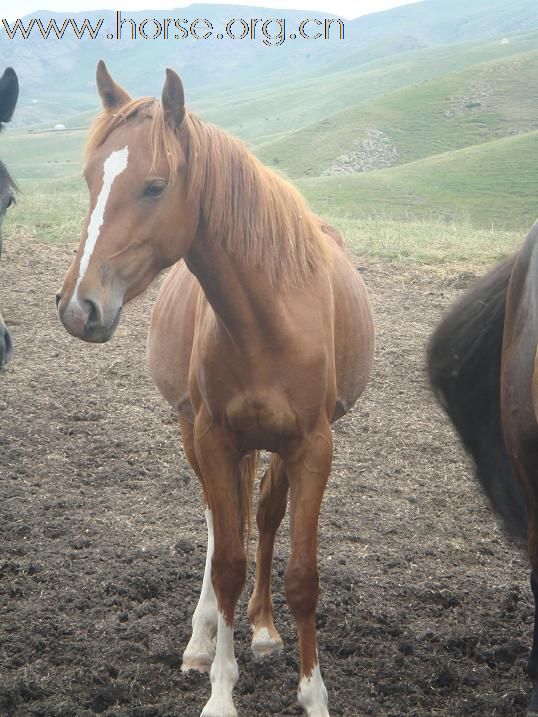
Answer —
(199, 664)
(219, 708)
(199, 653)
(264, 643)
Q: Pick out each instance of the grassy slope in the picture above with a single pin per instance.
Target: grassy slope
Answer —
(493, 184)
(43, 156)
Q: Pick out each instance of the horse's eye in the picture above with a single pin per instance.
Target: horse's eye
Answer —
(154, 189)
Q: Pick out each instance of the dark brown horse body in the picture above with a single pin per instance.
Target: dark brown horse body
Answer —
(261, 338)
(9, 92)
(483, 364)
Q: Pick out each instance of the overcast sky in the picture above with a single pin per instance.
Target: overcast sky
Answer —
(346, 8)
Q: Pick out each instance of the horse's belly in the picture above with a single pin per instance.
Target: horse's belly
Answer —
(354, 339)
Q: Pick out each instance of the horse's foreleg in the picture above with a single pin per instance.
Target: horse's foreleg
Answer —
(308, 468)
(271, 510)
(220, 468)
(200, 651)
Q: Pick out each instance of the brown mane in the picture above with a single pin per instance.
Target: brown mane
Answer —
(257, 215)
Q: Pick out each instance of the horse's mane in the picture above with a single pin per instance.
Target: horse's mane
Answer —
(257, 215)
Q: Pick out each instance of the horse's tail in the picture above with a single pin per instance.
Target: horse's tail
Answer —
(248, 468)
(464, 363)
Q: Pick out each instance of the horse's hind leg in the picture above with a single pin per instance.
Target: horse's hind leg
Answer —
(271, 510)
(200, 651)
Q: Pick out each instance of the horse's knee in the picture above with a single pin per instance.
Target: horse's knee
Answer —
(301, 582)
(228, 574)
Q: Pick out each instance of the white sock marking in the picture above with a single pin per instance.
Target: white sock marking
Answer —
(201, 647)
(114, 165)
(313, 695)
(224, 674)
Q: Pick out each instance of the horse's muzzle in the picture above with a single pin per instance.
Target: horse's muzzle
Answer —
(6, 345)
(85, 319)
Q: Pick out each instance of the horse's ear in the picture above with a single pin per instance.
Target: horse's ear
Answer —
(9, 93)
(173, 100)
(112, 95)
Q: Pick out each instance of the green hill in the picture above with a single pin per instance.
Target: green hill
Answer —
(484, 102)
(494, 184)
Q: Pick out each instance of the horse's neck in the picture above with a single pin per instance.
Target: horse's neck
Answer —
(243, 300)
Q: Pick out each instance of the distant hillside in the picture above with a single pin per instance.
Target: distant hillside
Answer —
(57, 76)
(487, 101)
(435, 22)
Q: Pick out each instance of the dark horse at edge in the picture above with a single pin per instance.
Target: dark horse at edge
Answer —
(483, 366)
(9, 93)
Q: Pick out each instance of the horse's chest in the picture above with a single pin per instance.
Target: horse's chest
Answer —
(265, 396)
(263, 419)
(261, 413)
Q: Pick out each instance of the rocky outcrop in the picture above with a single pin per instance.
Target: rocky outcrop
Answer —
(374, 152)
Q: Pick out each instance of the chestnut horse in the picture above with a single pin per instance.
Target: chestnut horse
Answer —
(9, 93)
(260, 339)
(483, 364)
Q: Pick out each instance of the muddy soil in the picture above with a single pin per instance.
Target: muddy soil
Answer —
(425, 608)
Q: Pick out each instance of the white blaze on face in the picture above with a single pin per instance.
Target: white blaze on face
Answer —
(115, 164)
(313, 695)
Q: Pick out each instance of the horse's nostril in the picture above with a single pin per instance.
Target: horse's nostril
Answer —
(58, 299)
(93, 313)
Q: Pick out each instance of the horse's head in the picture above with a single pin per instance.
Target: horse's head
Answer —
(9, 92)
(141, 217)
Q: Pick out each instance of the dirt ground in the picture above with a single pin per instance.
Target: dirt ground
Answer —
(424, 610)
